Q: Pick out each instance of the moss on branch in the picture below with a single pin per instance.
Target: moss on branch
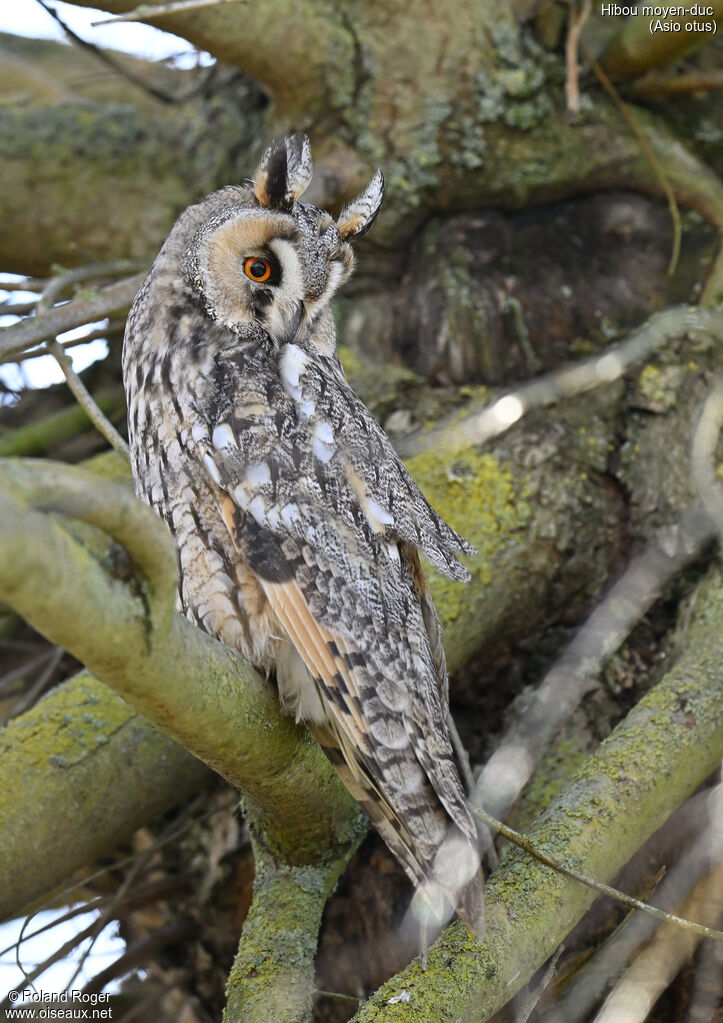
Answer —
(37, 437)
(82, 770)
(273, 974)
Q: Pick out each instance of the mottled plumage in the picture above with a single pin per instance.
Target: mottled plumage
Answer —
(297, 525)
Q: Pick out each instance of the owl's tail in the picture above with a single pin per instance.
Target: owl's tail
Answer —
(446, 874)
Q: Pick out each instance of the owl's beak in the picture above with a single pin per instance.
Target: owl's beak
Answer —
(292, 326)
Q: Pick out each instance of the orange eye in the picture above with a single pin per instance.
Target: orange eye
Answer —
(257, 269)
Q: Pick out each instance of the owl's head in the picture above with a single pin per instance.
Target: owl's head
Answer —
(261, 260)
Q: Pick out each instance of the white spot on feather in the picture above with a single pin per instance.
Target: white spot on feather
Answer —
(199, 432)
(323, 441)
(376, 516)
(292, 365)
(393, 551)
(289, 514)
(257, 475)
(258, 509)
(212, 469)
(223, 437)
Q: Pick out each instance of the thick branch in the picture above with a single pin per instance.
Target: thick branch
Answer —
(81, 763)
(659, 754)
(635, 49)
(272, 977)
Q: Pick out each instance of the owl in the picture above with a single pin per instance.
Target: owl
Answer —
(298, 529)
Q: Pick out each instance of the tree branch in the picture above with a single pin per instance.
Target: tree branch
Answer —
(34, 329)
(80, 754)
(494, 419)
(272, 977)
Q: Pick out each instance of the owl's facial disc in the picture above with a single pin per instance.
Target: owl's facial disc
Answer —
(263, 270)
(249, 273)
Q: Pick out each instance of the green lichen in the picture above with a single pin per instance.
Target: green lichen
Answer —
(272, 977)
(475, 494)
(658, 386)
(72, 723)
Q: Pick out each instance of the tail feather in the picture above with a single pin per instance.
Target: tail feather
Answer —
(447, 874)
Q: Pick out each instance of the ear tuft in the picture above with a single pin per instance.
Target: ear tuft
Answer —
(284, 172)
(358, 216)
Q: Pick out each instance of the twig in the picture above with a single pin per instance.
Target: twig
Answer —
(102, 333)
(533, 997)
(176, 829)
(59, 282)
(125, 892)
(24, 669)
(139, 952)
(650, 974)
(655, 85)
(576, 23)
(17, 308)
(703, 460)
(108, 60)
(645, 145)
(512, 763)
(41, 683)
(34, 329)
(85, 400)
(336, 994)
(148, 11)
(42, 435)
(23, 284)
(59, 954)
(602, 889)
(504, 412)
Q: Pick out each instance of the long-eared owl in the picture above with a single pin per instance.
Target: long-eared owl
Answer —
(297, 526)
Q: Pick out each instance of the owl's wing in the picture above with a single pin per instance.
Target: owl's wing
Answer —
(323, 512)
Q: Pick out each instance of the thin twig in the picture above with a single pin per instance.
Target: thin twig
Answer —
(60, 953)
(58, 283)
(336, 994)
(18, 308)
(76, 313)
(533, 997)
(39, 685)
(603, 889)
(655, 85)
(645, 145)
(25, 669)
(85, 400)
(576, 23)
(138, 953)
(146, 11)
(650, 974)
(108, 60)
(22, 284)
(102, 333)
(176, 829)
